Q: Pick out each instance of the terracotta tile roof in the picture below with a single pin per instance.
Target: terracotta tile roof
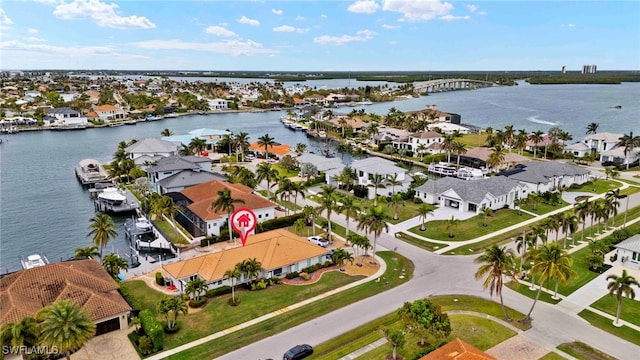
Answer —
(92, 114)
(426, 135)
(483, 153)
(353, 122)
(282, 149)
(106, 107)
(204, 194)
(274, 249)
(457, 350)
(83, 282)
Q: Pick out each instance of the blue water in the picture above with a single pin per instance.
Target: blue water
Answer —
(43, 209)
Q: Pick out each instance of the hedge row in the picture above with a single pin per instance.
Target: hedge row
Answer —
(152, 328)
(218, 291)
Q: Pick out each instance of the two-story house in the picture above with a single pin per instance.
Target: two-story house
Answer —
(65, 117)
(422, 142)
(109, 112)
(367, 169)
(175, 173)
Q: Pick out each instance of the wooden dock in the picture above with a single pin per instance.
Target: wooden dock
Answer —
(128, 206)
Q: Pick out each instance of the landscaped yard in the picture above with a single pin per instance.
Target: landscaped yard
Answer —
(551, 356)
(542, 208)
(582, 351)
(473, 140)
(396, 265)
(606, 324)
(423, 244)
(472, 303)
(471, 228)
(168, 231)
(283, 172)
(598, 186)
(630, 308)
(526, 291)
(139, 295)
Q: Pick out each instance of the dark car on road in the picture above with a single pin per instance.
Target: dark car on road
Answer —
(298, 352)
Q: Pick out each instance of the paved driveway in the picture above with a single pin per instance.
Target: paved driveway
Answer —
(570, 197)
(110, 346)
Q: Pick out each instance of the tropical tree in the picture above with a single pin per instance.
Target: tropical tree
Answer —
(423, 318)
(423, 212)
(328, 203)
(226, 203)
(496, 263)
(113, 264)
(21, 335)
(460, 149)
(102, 229)
(613, 196)
(447, 145)
(171, 307)
(359, 242)
(374, 220)
(583, 210)
(241, 142)
(266, 141)
(521, 140)
(486, 212)
(570, 226)
(196, 288)
(65, 326)
(165, 206)
(395, 338)
(619, 286)
(558, 222)
(300, 148)
(166, 132)
(340, 256)
(251, 267)
(629, 142)
(197, 145)
(285, 188)
(232, 275)
(611, 172)
(536, 137)
(451, 225)
(550, 261)
(266, 172)
(377, 182)
(297, 189)
(592, 128)
(88, 252)
(350, 209)
(496, 158)
(396, 201)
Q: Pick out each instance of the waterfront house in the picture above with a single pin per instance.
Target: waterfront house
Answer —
(457, 349)
(65, 117)
(430, 140)
(367, 168)
(150, 150)
(477, 157)
(389, 135)
(175, 173)
(277, 150)
(540, 177)
(324, 164)
(578, 149)
(278, 251)
(539, 147)
(219, 104)
(84, 282)
(198, 217)
(432, 114)
(109, 112)
(618, 156)
(448, 128)
(601, 141)
(356, 124)
(628, 252)
(472, 195)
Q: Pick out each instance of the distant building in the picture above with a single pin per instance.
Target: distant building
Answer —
(589, 69)
(564, 69)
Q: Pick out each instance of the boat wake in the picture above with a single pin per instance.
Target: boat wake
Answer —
(539, 121)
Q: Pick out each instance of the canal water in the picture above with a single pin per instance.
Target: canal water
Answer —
(44, 210)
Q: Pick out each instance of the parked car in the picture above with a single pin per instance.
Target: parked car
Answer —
(318, 240)
(298, 352)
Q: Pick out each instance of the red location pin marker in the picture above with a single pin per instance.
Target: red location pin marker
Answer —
(243, 222)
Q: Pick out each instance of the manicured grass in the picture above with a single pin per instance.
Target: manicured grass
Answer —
(473, 140)
(606, 324)
(526, 291)
(471, 228)
(552, 356)
(171, 234)
(283, 172)
(423, 244)
(630, 310)
(543, 208)
(396, 265)
(407, 210)
(472, 303)
(598, 186)
(630, 190)
(477, 331)
(582, 351)
(582, 273)
(140, 295)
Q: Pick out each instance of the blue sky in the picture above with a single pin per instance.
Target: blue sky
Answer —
(366, 35)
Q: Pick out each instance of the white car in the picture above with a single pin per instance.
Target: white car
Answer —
(318, 240)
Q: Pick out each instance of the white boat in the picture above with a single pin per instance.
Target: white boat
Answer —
(470, 174)
(442, 169)
(33, 261)
(322, 134)
(143, 224)
(112, 196)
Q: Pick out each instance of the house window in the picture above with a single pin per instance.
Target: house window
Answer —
(360, 173)
(636, 256)
(266, 215)
(259, 216)
(319, 259)
(277, 272)
(308, 262)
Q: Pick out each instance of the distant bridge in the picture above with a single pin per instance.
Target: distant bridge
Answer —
(439, 85)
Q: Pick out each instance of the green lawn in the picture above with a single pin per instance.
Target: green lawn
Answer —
(396, 265)
(407, 210)
(472, 303)
(423, 244)
(630, 308)
(598, 186)
(472, 227)
(171, 234)
(283, 172)
(582, 351)
(139, 295)
(582, 276)
(551, 356)
(630, 190)
(473, 140)
(542, 208)
(606, 324)
(526, 291)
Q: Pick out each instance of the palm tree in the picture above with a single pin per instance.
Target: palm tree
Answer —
(251, 267)
(102, 229)
(340, 256)
(374, 220)
(496, 158)
(559, 220)
(266, 141)
(197, 145)
(241, 141)
(300, 148)
(509, 136)
(196, 288)
(171, 307)
(447, 145)
(451, 225)
(496, 262)
(460, 149)
(166, 132)
(225, 203)
(621, 285)
(22, 335)
(569, 226)
(285, 188)
(350, 209)
(550, 261)
(66, 326)
(393, 181)
(327, 203)
(536, 137)
(486, 212)
(165, 206)
(592, 128)
(583, 210)
(297, 189)
(521, 140)
(629, 142)
(396, 200)
(423, 211)
(88, 252)
(266, 172)
(377, 182)
(613, 196)
(113, 264)
(233, 275)
(538, 232)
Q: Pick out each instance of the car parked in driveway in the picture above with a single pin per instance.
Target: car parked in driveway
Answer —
(298, 352)
(319, 240)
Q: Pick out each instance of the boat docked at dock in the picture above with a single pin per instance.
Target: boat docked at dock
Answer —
(112, 196)
(115, 201)
(91, 172)
(34, 261)
(442, 169)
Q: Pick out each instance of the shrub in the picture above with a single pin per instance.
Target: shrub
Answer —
(620, 235)
(408, 195)
(145, 345)
(152, 328)
(417, 201)
(304, 276)
(260, 285)
(197, 303)
(315, 180)
(292, 275)
(360, 191)
(172, 330)
(210, 240)
(159, 279)
(219, 291)
(279, 223)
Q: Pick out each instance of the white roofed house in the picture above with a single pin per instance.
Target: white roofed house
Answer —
(218, 104)
(541, 177)
(602, 141)
(617, 155)
(423, 142)
(472, 196)
(448, 128)
(65, 117)
(578, 149)
(330, 166)
(366, 169)
(629, 252)
(150, 150)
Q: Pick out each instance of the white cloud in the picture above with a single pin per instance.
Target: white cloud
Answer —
(323, 16)
(277, 12)
(288, 28)
(229, 47)
(450, 17)
(571, 25)
(362, 35)
(417, 10)
(390, 27)
(32, 31)
(35, 39)
(5, 21)
(472, 8)
(224, 24)
(102, 14)
(49, 2)
(392, 42)
(245, 20)
(364, 7)
(66, 51)
(219, 31)
(482, 13)
(300, 18)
